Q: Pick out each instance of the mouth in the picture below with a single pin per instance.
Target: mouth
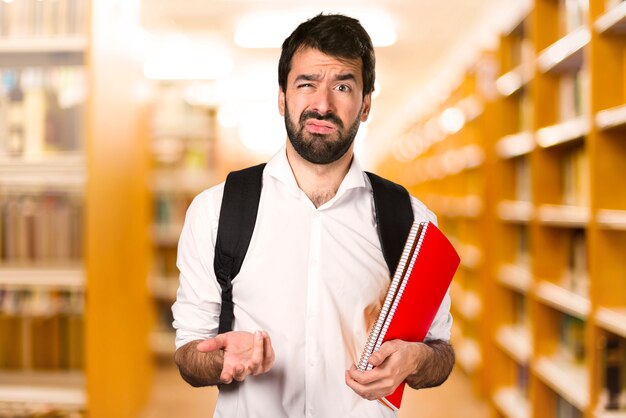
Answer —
(319, 126)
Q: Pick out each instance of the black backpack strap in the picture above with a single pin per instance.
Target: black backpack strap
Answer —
(394, 217)
(240, 204)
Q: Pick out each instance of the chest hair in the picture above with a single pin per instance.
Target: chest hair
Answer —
(320, 197)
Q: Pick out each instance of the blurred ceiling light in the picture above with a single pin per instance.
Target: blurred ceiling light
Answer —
(452, 120)
(228, 115)
(433, 132)
(253, 83)
(177, 57)
(269, 29)
(201, 94)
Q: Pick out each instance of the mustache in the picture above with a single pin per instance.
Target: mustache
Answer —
(330, 117)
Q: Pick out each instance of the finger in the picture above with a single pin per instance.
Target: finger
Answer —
(226, 376)
(363, 378)
(256, 359)
(358, 388)
(212, 344)
(268, 352)
(240, 373)
(379, 356)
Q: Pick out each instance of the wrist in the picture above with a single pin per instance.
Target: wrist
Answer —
(422, 353)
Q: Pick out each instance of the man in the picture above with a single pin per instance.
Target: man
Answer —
(314, 275)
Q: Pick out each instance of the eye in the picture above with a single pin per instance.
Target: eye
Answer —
(304, 85)
(343, 88)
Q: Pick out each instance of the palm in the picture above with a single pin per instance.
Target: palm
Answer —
(244, 353)
(238, 348)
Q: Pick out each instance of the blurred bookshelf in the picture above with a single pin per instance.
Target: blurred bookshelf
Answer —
(59, 228)
(183, 154)
(550, 229)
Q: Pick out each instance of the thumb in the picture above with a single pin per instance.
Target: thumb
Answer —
(211, 344)
(378, 357)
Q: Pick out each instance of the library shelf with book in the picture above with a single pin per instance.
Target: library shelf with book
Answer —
(183, 147)
(553, 209)
(608, 101)
(449, 175)
(74, 220)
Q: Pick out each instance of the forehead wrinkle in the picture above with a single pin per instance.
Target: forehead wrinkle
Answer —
(308, 77)
(318, 77)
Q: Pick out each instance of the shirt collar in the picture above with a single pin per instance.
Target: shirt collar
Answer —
(279, 168)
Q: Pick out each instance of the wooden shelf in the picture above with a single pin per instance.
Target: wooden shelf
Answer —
(566, 54)
(58, 389)
(563, 133)
(163, 342)
(529, 141)
(164, 288)
(613, 21)
(469, 305)
(563, 299)
(564, 215)
(57, 278)
(166, 235)
(515, 80)
(471, 256)
(614, 117)
(182, 181)
(468, 355)
(610, 414)
(612, 319)
(515, 145)
(458, 207)
(54, 45)
(611, 219)
(57, 171)
(470, 206)
(517, 211)
(515, 277)
(511, 403)
(569, 380)
(516, 341)
(107, 172)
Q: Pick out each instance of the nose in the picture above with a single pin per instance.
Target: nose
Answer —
(322, 101)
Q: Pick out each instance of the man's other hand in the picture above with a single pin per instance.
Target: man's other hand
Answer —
(245, 353)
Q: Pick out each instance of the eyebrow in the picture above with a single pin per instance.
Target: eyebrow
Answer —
(317, 77)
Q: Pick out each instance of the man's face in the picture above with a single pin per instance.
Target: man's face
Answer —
(323, 105)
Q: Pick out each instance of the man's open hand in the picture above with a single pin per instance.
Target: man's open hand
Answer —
(245, 353)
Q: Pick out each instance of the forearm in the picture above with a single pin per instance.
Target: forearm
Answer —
(198, 368)
(434, 368)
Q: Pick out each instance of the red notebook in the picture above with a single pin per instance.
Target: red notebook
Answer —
(421, 280)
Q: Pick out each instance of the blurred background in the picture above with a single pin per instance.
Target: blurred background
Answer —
(506, 117)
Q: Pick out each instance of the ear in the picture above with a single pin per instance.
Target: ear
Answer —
(281, 101)
(367, 105)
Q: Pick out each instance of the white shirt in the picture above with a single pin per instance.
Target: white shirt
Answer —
(314, 278)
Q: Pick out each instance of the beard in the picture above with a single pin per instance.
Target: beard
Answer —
(320, 148)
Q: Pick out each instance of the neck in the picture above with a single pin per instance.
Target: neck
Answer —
(319, 182)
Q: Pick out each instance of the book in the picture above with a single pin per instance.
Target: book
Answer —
(613, 367)
(420, 283)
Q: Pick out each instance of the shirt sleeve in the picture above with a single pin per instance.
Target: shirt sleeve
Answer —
(197, 307)
(442, 324)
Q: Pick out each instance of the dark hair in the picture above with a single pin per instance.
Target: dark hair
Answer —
(335, 35)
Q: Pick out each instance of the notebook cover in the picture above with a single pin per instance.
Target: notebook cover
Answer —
(433, 269)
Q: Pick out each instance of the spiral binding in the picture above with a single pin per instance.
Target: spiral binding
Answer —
(396, 288)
